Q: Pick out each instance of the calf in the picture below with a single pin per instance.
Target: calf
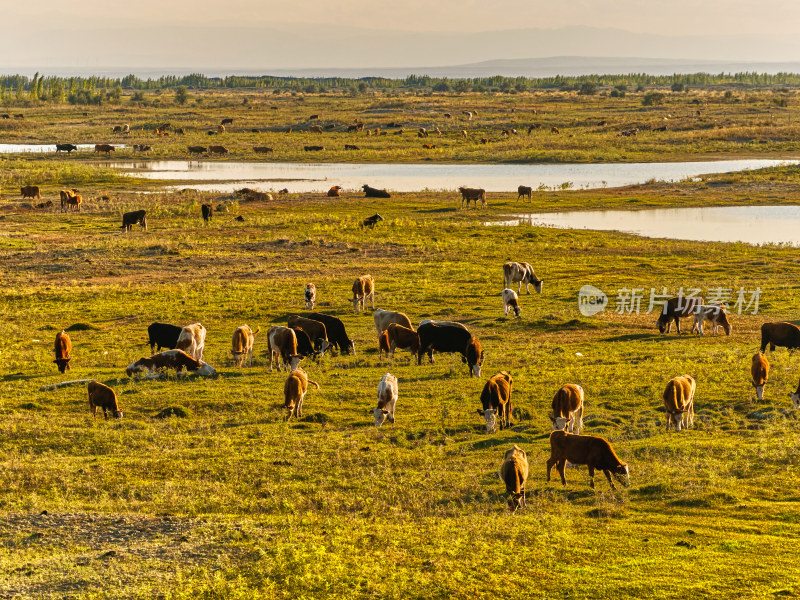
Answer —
(496, 399)
(242, 344)
(70, 198)
(163, 336)
(402, 337)
(192, 340)
(676, 308)
(383, 318)
(316, 331)
(779, 334)
(514, 473)
(171, 359)
(519, 273)
(594, 452)
(294, 391)
(363, 290)
(679, 402)
(568, 408)
(63, 349)
(511, 301)
(715, 314)
(472, 195)
(129, 219)
(282, 348)
(387, 399)
(371, 192)
(310, 296)
(372, 221)
(336, 332)
(102, 396)
(207, 211)
(759, 370)
(523, 191)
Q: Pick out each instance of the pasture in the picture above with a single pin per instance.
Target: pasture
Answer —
(204, 490)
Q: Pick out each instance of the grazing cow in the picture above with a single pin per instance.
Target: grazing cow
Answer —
(715, 314)
(330, 126)
(679, 402)
(142, 148)
(313, 148)
(310, 296)
(221, 129)
(496, 400)
(316, 331)
(129, 219)
(218, 150)
(294, 391)
(402, 337)
(197, 149)
(448, 116)
(484, 140)
(163, 335)
(472, 195)
(514, 473)
(446, 336)
(336, 332)
(107, 148)
(351, 147)
(315, 129)
(464, 133)
(68, 148)
(468, 114)
(371, 221)
(371, 192)
(796, 397)
(759, 369)
(282, 348)
(511, 301)
(30, 191)
(387, 399)
(262, 150)
(180, 131)
(422, 132)
(554, 129)
(383, 344)
(103, 397)
(171, 359)
(779, 334)
(534, 126)
(521, 272)
(524, 190)
(63, 349)
(383, 318)
(334, 191)
(568, 408)
(674, 309)
(70, 198)
(116, 129)
(594, 452)
(227, 121)
(363, 289)
(192, 340)
(242, 344)
(207, 212)
(429, 146)
(304, 345)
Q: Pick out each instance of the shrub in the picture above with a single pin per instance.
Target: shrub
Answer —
(653, 99)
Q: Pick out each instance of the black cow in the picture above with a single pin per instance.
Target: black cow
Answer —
(446, 336)
(163, 336)
(208, 212)
(337, 336)
(304, 345)
(129, 219)
(68, 148)
(371, 221)
(371, 192)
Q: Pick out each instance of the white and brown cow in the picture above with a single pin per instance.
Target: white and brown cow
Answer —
(568, 408)
(514, 473)
(242, 344)
(103, 397)
(363, 290)
(675, 309)
(383, 318)
(294, 391)
(521, 272)
(310, 296)
(176, 360)
(282, 348)
(496, 400)
(387, 398)
(192, 340)
(715, 314)
(511, 302)
(679, 402)
(759, 370)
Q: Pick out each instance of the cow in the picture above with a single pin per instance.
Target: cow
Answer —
(30, 191)
(372, 221)
(496, 401)
(399, 336)
(383, 344)
(294, 391)
(304, 345)
(313, 148)
(129, 219)
(521, 272)
(382, 318)
(715, 314)
(484, 140)
(514, 473)
(107, 148)
(221, 129)
(227, 121)
(679, 402)
(142, 148)
(472, 195)
(351, 147)
(796, 397)
(70, 198)
(568, 408)
(103, 397)
(429, 146)
(387, 399)
(163, 335)
(371, 192)
(242, 344)
(192, 340)
(445, 336)
(554, 129)
(47, 204)
(262, 150)
(282, 348)
(468, 114)
(197, 149)
(336, 332)
(207, 211)
(68, 148)
(523, 191)
(334, 192)
(171, 359)
(313, 118)
(511, 301)
(779, 334)
(464, 133)
(674, 309)
(759, 370)
(363, 290)
(315, 129)
(63, 349)
(218, 150)
(310, 296)
(316, 331)
(594, 452)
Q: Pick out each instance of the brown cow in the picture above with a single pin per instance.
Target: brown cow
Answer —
(402, 337)
(63, 349)
(679, 402)
(779, 334)
(676, 308)
(524, 190)
(242, 344)
(496, 400)
(70, 198)
(30, 191)
(514, 473)
(595, 452)
(294, 391)
(107, 148)
(218, 149)
(363, 289)
(315, 329)
(197, 149)
(315, 129)
(334, 191)
(568, 408)
(262, 150)
(102, 396)
(382, 318)
(383, 344)
(759, 370)
(310, 296)
(472, 195)
(192, 340)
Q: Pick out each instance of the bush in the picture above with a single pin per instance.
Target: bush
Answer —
(653, 99)
(617, 94)
(679, 87)
(588, 89)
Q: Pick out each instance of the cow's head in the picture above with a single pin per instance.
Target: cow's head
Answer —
(727, 327)
(662, 324)
(561, 423)
(795, 400)
(517, 310)
(490, 415)
(63, 364)
(351, 347)
(294, 361)
(135, 367)
(475, 370)
(515, 502)
(537, 285)
(206, 370)
(323, 345)
(760, 389)
(380, 415)
(117, 414)
(622, 474)
(675, 419)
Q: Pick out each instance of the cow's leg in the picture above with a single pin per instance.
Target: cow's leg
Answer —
(560, 466)
(550, 462)
(678, 324)
(372, 299)
(299, 409)
(591, 476)
(608, 476)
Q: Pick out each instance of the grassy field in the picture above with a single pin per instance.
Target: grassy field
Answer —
(231, 501)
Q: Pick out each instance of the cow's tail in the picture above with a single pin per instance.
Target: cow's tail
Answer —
(314, 383)
(257, 330)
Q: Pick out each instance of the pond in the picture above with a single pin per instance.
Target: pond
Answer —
(226, 176)
(749, 224)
